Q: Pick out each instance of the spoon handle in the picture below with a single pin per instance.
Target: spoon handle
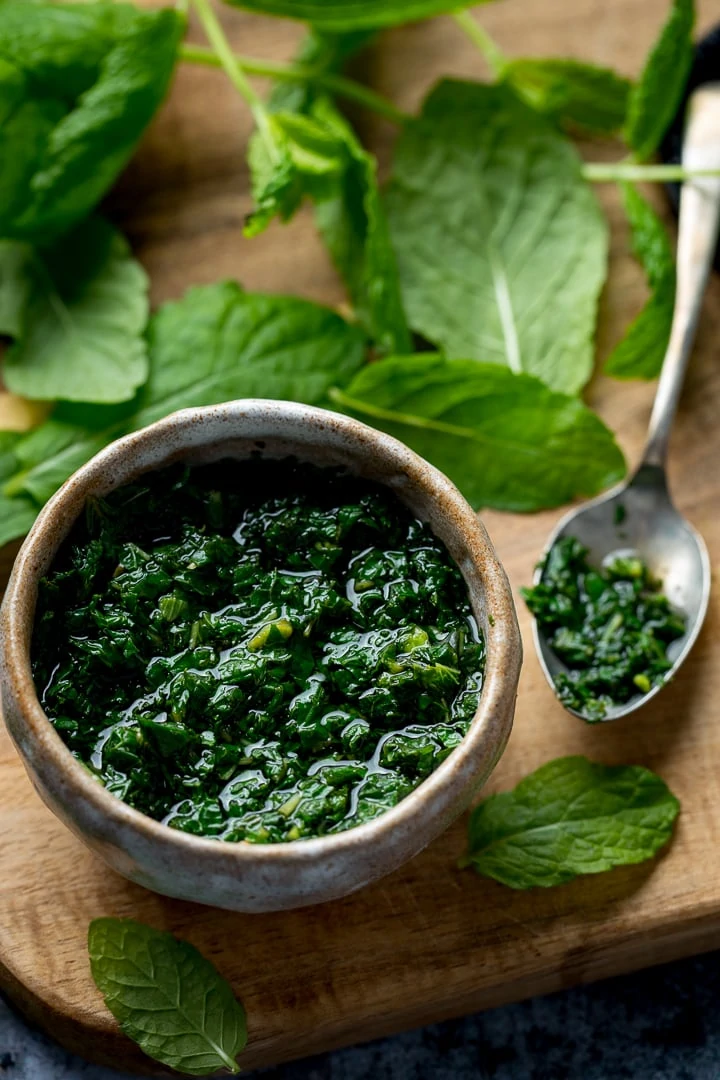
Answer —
(697, 237)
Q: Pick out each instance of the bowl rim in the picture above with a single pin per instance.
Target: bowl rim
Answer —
(55, 760)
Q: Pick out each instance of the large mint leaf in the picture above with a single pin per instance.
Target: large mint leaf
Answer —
(84, 310)
(501, 245)
(244, 345)
(579, 95)
(570, 817)
(78, 85)
(655, 98)
(216, 344)
(167, 997)
(342, 15)
(504, 439)
(641, 352)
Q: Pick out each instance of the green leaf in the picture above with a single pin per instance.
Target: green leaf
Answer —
(580, 95)
(340, 15)
(641, 352)
(78, 85)
(16, 518)
(244, 345)
(16, 514)
(15, 284)
(216, 344)
(307, 159)
(504, 439)
(354, 226)
(655, 98)
(167, 997)
(319, 155)
(570, 817)
(85, 310)
(501, 245)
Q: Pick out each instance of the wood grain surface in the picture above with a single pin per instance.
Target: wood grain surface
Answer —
(429, 941)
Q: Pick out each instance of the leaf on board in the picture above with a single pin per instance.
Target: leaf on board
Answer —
(578, 95)
(342, 15)
(215, 344)
(15, 284)
(501, 245)
(167, 997)
(353, 224)
(81, 327)
(79, 84)
(570, 817)
(17, 513)
(318, 155)
(506, 440)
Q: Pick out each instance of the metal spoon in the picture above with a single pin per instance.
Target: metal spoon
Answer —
(639, 514)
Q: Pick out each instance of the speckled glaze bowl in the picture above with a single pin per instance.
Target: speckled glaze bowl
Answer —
(241, 876)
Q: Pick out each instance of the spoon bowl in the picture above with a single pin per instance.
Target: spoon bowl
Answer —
(640, 518)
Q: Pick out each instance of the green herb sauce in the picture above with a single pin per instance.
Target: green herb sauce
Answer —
(611, 627)
(257, 651)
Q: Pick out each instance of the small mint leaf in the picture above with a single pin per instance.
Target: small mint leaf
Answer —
(657, 94)
(567, 818)
(167, 997)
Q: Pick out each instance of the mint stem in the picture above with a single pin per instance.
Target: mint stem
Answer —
(300, 73)
(236, 75)
(494, 56)
(601, 173)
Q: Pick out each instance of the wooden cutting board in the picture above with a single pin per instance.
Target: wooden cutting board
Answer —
(429, 941)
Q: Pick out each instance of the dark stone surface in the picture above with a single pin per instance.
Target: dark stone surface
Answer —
(663, 1024)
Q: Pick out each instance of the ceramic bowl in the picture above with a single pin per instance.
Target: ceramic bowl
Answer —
(241, 876)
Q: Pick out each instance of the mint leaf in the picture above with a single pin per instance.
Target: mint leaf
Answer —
(52, 452)
(579, 95)
(85, 306)
(655, 98)
(641, 352)
(239, 344)
(570, 817)
(167, 997)
(308, 157)
(244, 345)
(78, 85)
(353, 224)
(15, 286)
(501, 245)
(504, 439)
(16, 518)
(16, 514)
(341, 15)
(321, 156)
